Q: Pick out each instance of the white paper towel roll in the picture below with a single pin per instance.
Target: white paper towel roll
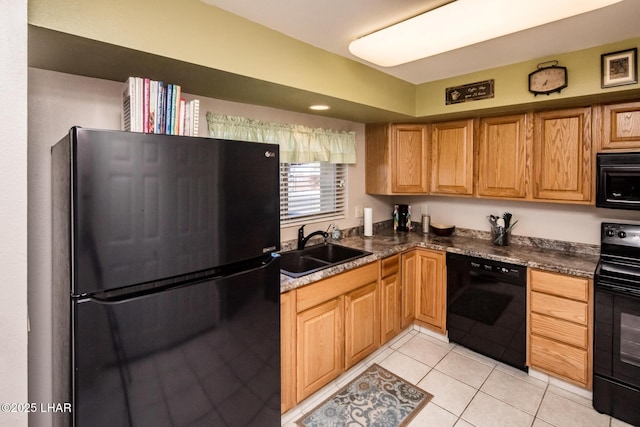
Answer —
(368, 222)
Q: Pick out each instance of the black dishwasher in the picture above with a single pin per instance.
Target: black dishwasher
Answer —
(486, 307)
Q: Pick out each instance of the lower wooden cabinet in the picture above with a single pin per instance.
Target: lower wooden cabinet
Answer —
(330, 325)
(560, 326)
(362, 323)
(424, 277)
(409, 267)
(287, 351)
(337, 325)
(390, 298)
(319, 356)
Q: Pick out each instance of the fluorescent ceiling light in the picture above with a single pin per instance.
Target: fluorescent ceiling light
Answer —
(463, 23)
(319, 107)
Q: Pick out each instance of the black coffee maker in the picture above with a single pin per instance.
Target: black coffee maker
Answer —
(402, 218)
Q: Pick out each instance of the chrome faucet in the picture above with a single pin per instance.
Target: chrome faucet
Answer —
(302, 241)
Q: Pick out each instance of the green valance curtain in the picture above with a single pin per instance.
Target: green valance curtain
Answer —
(298, 144)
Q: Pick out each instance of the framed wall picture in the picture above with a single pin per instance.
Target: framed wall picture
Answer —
(620, 68)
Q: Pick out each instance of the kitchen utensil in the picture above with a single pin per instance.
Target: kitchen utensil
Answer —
(507, 219)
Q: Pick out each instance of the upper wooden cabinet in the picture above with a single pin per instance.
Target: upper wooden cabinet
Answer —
(621, 126)
(452, 157)
(562, 155)
(503, 150)
(396, 159)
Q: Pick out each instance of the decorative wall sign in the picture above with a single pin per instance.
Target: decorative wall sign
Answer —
(619, 68)
(470, 92)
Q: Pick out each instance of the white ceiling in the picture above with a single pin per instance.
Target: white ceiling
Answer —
(332, 24)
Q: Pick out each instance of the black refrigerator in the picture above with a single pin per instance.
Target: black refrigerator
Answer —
(166, 298)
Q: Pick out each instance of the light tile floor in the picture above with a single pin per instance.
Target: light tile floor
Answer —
(470, 389)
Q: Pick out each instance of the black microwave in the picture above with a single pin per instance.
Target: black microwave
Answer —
(618, 181)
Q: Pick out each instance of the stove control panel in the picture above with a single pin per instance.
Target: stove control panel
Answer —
(620, 234)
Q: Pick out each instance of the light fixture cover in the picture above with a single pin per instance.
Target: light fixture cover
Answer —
(463, 23)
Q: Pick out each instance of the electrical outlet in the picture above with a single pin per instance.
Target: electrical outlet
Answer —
(359, 212)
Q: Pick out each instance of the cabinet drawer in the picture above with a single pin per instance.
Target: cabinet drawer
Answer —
(390, 265)
(560, 330)
(561, 359)
(332, 287)
(561, 308)
(572, 287)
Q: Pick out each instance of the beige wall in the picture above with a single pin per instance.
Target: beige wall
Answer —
(511, 84)
(572, 223)
(13, 209)
(219, 40)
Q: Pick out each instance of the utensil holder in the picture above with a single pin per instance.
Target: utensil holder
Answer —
(500, 236)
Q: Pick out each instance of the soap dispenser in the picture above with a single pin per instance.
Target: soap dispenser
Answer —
(336, 234)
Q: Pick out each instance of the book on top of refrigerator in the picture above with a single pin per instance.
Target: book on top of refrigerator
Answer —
(152, 106)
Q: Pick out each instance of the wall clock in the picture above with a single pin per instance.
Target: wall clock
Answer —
(549, 79)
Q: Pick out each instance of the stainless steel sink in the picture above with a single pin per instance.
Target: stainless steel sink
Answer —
(305, 261)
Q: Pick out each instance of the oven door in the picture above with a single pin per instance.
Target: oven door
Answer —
(616, 368)
(617, 333)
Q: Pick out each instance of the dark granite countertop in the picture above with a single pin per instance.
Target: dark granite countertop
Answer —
(555, 256)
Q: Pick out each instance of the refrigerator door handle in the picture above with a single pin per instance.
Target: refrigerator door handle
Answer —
(142, 293)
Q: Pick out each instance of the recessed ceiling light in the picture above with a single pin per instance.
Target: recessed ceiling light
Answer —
(463, 23)
(319, 107)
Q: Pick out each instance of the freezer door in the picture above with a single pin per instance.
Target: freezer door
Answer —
(148, 207)
(202, 354)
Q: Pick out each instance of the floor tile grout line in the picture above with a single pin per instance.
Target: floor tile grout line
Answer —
(473, 397)
(546, 390)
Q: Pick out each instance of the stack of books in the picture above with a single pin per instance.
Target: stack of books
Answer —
(152, 106)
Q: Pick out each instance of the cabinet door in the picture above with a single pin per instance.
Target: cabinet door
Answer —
(287, 350)
(390, 298)
(408, 309)
(621, 126)
(430, 289)
(502, 156)
(396, 159)
(562, 155)
(377, 155)
(452, 157)
(362, 323)
(409, 159)
(320, 346)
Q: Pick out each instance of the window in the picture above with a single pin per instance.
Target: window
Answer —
(312, 191)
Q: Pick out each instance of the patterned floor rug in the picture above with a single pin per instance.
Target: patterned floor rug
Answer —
(376, 398)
